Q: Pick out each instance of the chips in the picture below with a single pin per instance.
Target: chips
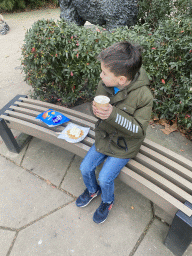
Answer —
(52, 118)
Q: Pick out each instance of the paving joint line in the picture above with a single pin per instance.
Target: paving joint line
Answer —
(12, 244)
(157, 217)
(142, 236)
(8, 228)
(25, 153)
(163, 221)
(39, 177)
(67, 171)
(44, 216)
(31, 223)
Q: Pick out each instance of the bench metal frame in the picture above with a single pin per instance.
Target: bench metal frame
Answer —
(159, 174)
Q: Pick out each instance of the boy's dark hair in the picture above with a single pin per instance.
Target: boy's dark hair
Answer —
(122, 59)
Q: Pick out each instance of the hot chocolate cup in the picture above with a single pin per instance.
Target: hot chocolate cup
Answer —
(101, 101)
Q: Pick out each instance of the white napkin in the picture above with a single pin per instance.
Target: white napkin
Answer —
(65, 136)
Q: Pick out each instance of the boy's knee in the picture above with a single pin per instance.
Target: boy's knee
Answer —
(103, 180)
(83, 168)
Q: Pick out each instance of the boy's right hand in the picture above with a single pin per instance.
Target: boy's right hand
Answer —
(104, 112)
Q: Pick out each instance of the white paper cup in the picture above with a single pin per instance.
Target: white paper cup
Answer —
(101, 101)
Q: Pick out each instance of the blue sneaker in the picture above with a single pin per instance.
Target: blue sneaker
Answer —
(102, 212)
(85, 198)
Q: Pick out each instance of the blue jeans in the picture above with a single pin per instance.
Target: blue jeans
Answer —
(110, 170)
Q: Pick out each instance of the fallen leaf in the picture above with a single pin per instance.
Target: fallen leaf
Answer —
(155, 118)
(48, 182)
(169, 128)
(181, 150)
(163, 121)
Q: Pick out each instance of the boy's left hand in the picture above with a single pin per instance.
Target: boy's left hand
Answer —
(104, 112)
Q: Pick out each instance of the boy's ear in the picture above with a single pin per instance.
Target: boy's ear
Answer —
(122, 80)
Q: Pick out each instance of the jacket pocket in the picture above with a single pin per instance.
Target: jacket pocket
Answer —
(129, 110)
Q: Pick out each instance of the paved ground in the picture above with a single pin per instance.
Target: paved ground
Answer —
(38, 187)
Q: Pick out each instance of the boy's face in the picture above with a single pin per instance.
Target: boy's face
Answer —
(110, 80)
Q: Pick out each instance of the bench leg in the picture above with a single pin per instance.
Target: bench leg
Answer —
(180, 234)
(8, 137)
(12, 144)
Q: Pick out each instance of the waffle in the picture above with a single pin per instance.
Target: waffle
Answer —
(73, 136)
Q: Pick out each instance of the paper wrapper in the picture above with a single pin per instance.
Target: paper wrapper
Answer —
(65, 136)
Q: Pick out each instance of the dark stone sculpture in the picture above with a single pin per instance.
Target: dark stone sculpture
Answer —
(111, 13)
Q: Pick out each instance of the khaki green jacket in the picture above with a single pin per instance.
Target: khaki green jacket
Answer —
(122, 134)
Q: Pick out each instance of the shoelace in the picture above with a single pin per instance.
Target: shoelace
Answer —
(103, 207)
(85, 194)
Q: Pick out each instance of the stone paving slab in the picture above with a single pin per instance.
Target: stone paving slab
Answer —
(152, 245)
(188, 251)
(7, 237)
(71, 231)
(17, 158)
(73, 181)
(25, 198)
(47, 160)
(175, 141)
(11, 76)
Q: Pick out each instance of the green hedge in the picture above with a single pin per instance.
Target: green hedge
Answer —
(153, 11)
(59, 62)
(168, 62)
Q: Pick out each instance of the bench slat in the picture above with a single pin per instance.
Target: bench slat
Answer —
(25, 111)
(160, 181)
(88, 141)
(42, 109)
(33, 120)
(168, 153)
(165, 172)
(36, 113)
(61, 108)
(185, 173)
(160, 197)
(47, 135)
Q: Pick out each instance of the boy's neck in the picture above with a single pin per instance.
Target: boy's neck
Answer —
(122, 86)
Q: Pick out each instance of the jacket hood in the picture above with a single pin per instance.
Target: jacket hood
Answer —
(141, 79)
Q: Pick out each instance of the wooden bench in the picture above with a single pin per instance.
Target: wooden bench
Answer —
(159, 174)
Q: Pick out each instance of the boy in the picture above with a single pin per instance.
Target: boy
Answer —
(122, 125)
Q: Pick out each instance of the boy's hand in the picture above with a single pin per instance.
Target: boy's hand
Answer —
(104, 112)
